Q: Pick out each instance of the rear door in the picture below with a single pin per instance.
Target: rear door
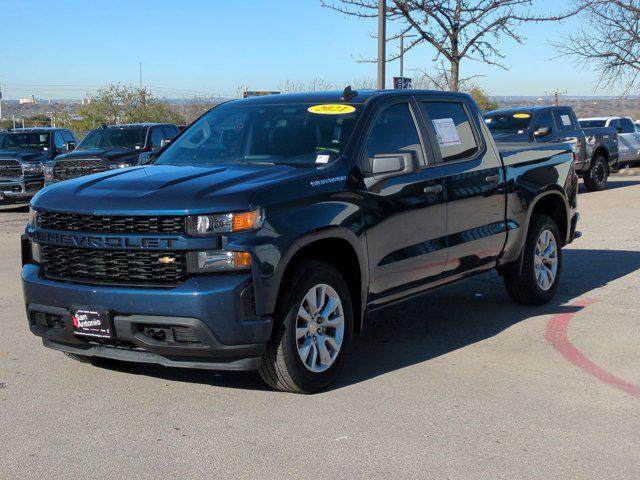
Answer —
(474, 184)
(569, 131)
(406, 222)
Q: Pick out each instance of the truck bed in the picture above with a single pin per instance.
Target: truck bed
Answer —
(515, 154)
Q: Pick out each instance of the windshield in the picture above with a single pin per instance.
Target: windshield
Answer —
(113, 138)
(508, 122)
(24, 140)
(592, 123)
(294, 134)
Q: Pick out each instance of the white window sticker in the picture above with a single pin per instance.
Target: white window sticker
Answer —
(322, 158)
(566, 120)
(446, 131)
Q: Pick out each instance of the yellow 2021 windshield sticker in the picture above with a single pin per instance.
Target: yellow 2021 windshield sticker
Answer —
(332, 109)
(521, 115)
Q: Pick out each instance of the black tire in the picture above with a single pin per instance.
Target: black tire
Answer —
(597, 177)
(79, 358)
(281, 367)
(523, 286)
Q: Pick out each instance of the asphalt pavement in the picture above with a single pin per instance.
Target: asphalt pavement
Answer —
(459, 384)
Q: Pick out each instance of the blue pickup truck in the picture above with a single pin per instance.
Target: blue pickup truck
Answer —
(266, 232)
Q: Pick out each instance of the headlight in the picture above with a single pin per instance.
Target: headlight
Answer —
(119, 165)
(218, 261)
(32, 167)
(33, 218)
(200, 225)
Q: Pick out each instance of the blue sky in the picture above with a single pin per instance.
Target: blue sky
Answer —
(199, 46)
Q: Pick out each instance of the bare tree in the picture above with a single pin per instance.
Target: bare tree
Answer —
(608, 41)
(456, 29)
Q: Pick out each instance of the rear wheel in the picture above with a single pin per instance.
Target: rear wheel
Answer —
(313, 327)
(597, 178)
(537, 282)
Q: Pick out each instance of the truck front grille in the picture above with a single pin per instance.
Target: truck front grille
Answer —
(112, 223)
(122, 267)
(10, 169)
(66, 169)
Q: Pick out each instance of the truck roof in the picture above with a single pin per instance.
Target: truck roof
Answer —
(530, 109)
(133, 125)
(35, 129)
(335, 96)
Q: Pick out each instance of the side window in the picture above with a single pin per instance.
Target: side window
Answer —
(156, 137)
(627, 125)
(169, 131)
(394, 131)
(67, 136)
(545, 119)
(564, 120)
(453, 130)
(57, 140)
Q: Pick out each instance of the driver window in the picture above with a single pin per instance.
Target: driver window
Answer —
(545, 120)
(394, 131)
(156, 137)
(57, 140)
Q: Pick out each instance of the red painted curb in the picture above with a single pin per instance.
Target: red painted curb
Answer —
(556, 335)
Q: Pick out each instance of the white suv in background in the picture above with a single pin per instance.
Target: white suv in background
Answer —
(628, 138)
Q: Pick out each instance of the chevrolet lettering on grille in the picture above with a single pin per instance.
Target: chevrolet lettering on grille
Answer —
(98, 241)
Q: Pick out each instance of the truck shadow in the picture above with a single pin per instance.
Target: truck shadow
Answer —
(612, 185)
(437, 323)
(450, 318)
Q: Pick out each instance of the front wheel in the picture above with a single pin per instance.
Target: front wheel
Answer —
(313, 327)
(538, 279)
(597, 178)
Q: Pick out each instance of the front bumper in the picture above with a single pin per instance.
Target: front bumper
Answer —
(20, 190)
(211, 313)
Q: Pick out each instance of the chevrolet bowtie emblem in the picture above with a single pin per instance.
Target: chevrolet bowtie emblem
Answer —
(166, 260)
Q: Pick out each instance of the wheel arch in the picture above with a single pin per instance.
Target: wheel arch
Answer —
(342, 249)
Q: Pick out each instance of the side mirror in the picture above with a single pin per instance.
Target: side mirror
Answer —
(542, 132)
(619, 129)
(71, 146)
(164, 141)
(390, 165)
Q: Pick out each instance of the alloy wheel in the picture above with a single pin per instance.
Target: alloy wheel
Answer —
(546, 260)
(319, 328)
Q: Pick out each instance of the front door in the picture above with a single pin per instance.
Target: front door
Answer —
(474, 184)
(406, 215)
(628, 139)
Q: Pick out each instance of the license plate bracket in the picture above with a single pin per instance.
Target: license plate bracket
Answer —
(90, 322)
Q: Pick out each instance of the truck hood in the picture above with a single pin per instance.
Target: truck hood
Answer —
(112, 155)
(23, 155)
(165, 189)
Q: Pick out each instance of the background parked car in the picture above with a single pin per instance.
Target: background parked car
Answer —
(629, 138)
(23, 154)
(595, 149)
(110, 147)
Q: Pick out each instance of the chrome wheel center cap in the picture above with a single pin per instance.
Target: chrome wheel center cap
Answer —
(313, 328)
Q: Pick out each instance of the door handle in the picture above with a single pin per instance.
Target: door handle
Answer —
(492, 178)
(433, 189)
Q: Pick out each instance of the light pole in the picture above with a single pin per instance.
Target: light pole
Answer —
(402, 37)
(382, 38)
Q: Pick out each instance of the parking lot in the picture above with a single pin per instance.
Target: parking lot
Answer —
(461, 383)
